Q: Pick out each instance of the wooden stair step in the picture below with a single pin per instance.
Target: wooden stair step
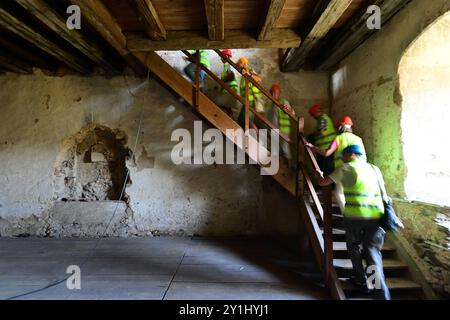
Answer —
(342, 246)
(387, 263)
(392, 283)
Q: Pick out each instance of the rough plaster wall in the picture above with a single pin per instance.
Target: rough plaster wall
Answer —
(40, 112)
(425, 88)
(367, 87)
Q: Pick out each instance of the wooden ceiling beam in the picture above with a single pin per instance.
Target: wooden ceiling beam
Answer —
(104, 23)
(234, 39)
(21, 29)
(356, 32)
(31, 56)
(273, 14)
(327, 13)
(14, 64)
(215, 15)
(43, 12)
(155, 29)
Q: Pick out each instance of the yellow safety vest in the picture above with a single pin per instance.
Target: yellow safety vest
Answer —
(343, 141)
(363, 199)
(233, 83)
(284, 120)
(204, 57)
(253, 92)
(324, 140)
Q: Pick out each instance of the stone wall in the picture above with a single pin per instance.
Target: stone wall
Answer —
(43, 117)
(366, 86)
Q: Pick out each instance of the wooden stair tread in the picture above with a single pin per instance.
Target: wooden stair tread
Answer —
(336, 231)
(342, 246)
(387, 263)
(392, 283)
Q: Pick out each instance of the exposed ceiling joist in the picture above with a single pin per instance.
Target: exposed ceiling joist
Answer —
(329, 13)
(356, 32)
(155, 28)
(104, 23)
(27, 55)
(215, 15)
(19, 28)
(9, 62)
(234, 39)
(273, 13)
(42, 11)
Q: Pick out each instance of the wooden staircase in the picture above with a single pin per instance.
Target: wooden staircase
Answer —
(322, 219)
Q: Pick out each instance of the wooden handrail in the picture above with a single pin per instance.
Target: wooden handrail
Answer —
(257, 85)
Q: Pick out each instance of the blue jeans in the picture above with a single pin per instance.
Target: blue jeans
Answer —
(190, 72)
(368, 233)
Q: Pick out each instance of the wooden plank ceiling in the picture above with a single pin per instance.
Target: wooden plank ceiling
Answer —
(317, 33)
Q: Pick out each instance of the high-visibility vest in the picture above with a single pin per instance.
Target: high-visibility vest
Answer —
(363, 199)
(343, 141)
(204, 57)
(233, 83)
(324, 140)
(253, 92)
(284, 120)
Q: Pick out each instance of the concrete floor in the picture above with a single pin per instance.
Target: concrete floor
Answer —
(154, 268)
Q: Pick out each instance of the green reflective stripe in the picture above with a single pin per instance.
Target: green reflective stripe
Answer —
(362, 205)
(326, 136)
(324, 144)
(355, 194)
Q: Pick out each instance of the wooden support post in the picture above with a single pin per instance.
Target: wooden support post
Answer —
(247, 113)
(197, 79)
(215, 11)
(155, 29)
(328, 236)
(273, 14)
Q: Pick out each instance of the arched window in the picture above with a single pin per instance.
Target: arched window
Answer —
(425, 86)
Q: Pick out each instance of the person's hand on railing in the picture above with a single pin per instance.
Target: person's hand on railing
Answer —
(319, 174)
(288, 108)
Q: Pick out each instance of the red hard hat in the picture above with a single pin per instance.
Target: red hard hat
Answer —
(227, 52)
(346, 121)
(275, 87)
(314, 109)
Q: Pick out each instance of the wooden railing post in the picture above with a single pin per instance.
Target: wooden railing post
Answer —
(246, 113)
(197, 79)
(328, 235)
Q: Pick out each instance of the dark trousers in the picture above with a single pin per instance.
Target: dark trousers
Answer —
(368, 233)
(326, 164)
(190, 71)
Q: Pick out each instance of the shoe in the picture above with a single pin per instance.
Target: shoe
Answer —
(361, 286)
